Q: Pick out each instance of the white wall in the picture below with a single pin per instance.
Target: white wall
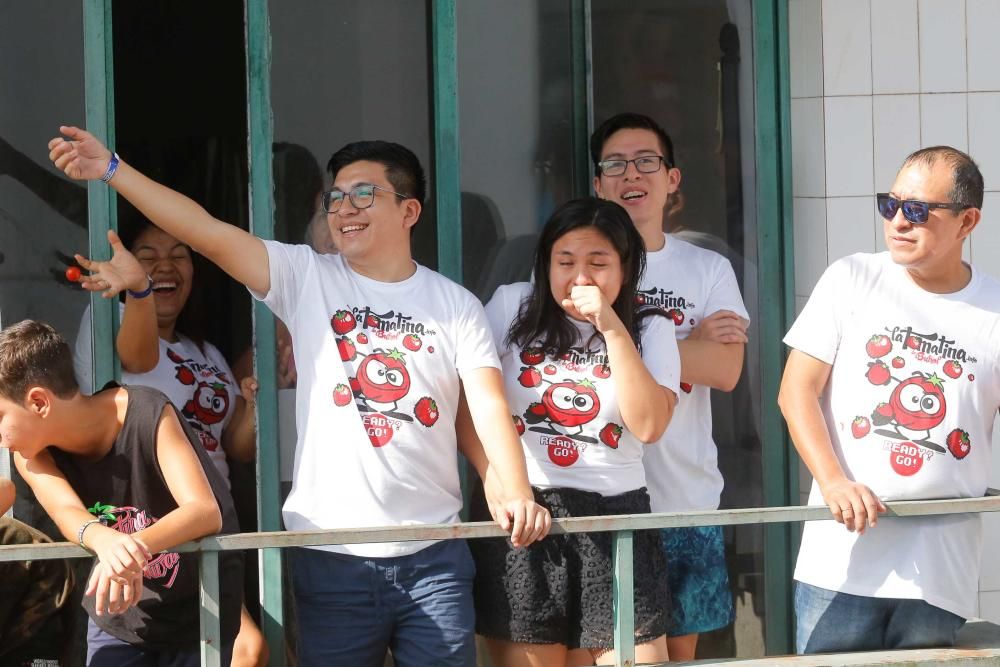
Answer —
(871, 81)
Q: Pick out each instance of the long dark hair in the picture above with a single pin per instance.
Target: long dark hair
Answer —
(540, 318)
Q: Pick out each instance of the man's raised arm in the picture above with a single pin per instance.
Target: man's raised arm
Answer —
(243, 256)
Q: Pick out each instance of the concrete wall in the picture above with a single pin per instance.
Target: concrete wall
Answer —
(872, 80)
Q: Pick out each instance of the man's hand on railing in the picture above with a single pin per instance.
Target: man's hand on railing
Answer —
(526, 520)
(852, 504)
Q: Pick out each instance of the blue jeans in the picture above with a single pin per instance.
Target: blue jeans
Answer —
(827, 621)
(351, 608)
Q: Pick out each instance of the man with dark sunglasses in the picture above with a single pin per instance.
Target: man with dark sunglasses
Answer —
(891, 392)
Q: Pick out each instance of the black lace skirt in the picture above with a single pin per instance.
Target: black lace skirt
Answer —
(559, 590)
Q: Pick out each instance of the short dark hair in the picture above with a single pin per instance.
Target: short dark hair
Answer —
(966, 179)
(629, 121)
(33, 354)
(541, 319)
(402, 167)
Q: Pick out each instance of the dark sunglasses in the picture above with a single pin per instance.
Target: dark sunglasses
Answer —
(914, 210)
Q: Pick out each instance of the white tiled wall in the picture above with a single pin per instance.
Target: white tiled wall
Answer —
(871, 81)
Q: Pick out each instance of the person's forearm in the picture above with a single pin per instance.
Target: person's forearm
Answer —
(710, 364)
(645, 407)
(188, 522)
(236, 252)
(810, 435)
(239, 440)
(138, 342)
(502, 448)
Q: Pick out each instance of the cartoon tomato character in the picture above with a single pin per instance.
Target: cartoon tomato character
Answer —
(383, 377)
(571, 403)
(918, 404)
(209, 404)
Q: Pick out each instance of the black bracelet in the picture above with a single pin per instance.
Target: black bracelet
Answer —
(144, 293)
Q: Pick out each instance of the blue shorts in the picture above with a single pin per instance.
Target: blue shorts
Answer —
(106, 650)
(351, 608)
(828, 621)
(698, 579)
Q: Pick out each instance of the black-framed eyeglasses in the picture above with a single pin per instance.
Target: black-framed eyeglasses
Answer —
(647, 164)
(361, 196)
(914, 210)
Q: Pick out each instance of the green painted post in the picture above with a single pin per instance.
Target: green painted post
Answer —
(583, 96)
(447, 156)
(624, 599)
(261, 132)
(99, 94)
(211, 635)
(775, 289)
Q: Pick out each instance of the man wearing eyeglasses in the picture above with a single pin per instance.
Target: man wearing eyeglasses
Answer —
(890, 392)
(384, 348)
(635, 167)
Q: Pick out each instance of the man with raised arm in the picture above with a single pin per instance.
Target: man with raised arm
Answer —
(383, 348)
(891, 392)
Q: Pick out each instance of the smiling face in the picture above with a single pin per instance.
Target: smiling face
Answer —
(168, 263)
(379, 234)
(935, 246)
(644, 196)
(584, 256)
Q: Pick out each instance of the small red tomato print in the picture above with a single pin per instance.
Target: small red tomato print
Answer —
(412, 342)
(346, 348)
(426, 411)
(878, 373)
(611, 434)
(686, 387)
(372, 322)
(549, 369)
(898, 362)
(342, 395)
(952, 369)
(912, 342)
(602, 371)
(878, 346)
(355, 385)
(959, 444)
(860, 427)
(363, 338)
(882, 414)
(640, 299)
(535, 413)
(73, 274)
(971, 377)
(529, 377)
(518, 424)
(430, 349)
(342, 322)
(676, 315)
(532, 355)
(185, 375)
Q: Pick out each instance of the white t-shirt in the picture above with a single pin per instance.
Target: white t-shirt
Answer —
(197, 381)
(690, 283)
(910, 406)
(378, 384)
(566, 409)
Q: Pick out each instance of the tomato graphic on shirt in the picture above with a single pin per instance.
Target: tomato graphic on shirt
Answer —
(566, 405)
(209, 405)
(916, 406)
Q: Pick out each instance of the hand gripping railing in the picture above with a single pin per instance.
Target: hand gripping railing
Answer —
(623, 527)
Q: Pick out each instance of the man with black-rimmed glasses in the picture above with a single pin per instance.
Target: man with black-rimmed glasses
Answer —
(890, 392)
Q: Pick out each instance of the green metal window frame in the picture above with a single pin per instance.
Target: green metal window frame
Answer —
(774, 240)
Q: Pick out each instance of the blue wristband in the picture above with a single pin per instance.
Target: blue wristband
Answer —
(112, 168)
(144, 293)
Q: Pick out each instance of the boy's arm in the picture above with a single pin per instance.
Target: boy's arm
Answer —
(712, 354)
(239, 440)
(852, 504)
(197, 513)
(493, 432)
(7, 495)
(238, 253)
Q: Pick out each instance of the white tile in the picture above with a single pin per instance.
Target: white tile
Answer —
(848, 226)
(984, 135)
(809, 232)
(942, 46)
(983, 48)
(879, 223)
(896, 127)
(986, 250)
(849, 150)
(895, 56)
(995, 477)
(989, 606)
(808, 154)
(805, 47)
(989, 575)
(944, 121)
(847, 47)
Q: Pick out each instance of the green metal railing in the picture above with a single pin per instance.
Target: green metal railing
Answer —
(623, 527)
